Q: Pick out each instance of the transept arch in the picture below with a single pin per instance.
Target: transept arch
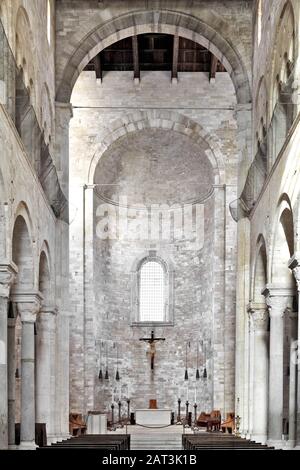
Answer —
(166, 22)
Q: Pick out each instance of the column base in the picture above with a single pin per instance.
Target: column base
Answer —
(290, 444)
(277, 444)
(27, 445)
(259, 438)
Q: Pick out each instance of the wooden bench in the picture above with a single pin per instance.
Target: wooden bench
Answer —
(93, 442)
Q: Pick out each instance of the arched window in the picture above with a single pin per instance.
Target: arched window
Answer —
(49, 22)
(152, 292)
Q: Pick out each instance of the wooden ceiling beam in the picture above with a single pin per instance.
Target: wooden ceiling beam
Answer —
(136, 61)
(175, 58)
(213, 67)
(98, 67)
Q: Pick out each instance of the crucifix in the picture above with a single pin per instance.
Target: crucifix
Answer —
(152, 340)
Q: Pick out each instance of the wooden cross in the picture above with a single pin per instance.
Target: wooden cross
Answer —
(152, 340)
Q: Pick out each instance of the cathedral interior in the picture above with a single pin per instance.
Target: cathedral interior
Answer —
(149, 220)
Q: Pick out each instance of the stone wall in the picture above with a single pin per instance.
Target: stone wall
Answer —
(107, 118)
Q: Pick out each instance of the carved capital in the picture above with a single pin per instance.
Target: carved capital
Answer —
(8, 273)
(28, 305)
(259, 316)
(294, 265)
(260, 320)
(279, 300)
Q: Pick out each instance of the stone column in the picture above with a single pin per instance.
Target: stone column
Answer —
(28, 305)
(260, 320)
(7, 274)
(63, 115)
(293, 381)
(278, 301)
(11, 372)
(45, 358)
(294, 265)
(250, 374)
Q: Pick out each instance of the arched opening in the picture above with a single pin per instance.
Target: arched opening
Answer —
(43, 348)
(282, 277)
(282, 107)
(260, 273)
(22, 255)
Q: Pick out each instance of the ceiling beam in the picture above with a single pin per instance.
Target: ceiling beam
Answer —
(175, 58)
(213, 67)
(136, 61)
(98, 67)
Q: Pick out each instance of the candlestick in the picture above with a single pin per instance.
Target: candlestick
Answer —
(179, 411)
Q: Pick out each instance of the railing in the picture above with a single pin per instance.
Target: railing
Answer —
(15, 98)
(269, 148)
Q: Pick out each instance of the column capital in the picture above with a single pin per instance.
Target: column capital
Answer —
(47, 312)
(8, 272)
(294, 265)
(28, 304)
(258, 313)
(278, 299)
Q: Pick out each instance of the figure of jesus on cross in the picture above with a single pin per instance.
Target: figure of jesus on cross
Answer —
(152, 341)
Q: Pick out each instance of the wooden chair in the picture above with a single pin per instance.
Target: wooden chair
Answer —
(214, 422)
(203, 420)
(228, 425)
(76, 424)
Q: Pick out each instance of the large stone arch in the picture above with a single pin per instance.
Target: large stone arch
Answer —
(162, 119)
(162, 21)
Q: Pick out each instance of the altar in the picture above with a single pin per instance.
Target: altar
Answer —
(153, 417)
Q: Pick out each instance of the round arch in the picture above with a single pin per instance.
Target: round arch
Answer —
(282, 247)
(22, 250)
(45, 274)
(162, 21)
(259, 271)
(162, 119)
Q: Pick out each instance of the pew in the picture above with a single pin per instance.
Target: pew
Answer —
(93, 442)
(219, 442)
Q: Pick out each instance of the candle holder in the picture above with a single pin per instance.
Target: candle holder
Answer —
(187, 414)
(128, 410)
(179, 421)
(120, 424)
(237, 426)
(195, 416)
(113, 428)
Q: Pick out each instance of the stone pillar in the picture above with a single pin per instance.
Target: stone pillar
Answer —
(7, 274)
(260, 319)
(293, 381)
(11, 372)
(250, 374)
(28, 305)
(294, 265)
(63, 115)
(278, 301)
(45, 358)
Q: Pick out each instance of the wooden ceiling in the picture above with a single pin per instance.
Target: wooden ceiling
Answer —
(156, 52)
